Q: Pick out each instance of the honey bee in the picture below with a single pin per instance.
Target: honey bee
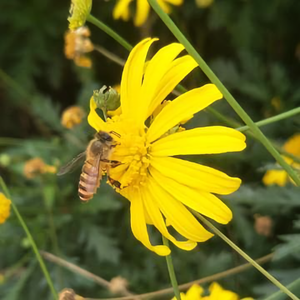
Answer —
(97, 161)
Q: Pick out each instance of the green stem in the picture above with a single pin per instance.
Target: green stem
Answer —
(245, 256)
(171, 271)
(294, 287)
(109, 31)
(110, 55)
(276, 118)
(230, 99)
(29, 236)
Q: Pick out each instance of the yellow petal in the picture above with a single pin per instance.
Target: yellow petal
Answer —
(200, 201)
(181, 108)
(164, 6)
(217, 292)
(158, 66)
(121, 10)
(142, 12)
(195, 292)
(293, 145)
(132, 79)
(158, 221)
(278, 177)
(94, 120)
(178, 70)
(195, 175)
(178, 216)
(138, 224)
(204, 140)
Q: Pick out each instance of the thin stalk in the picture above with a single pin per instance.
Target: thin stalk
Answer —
(187, 285)
(245, 256)
(29, 236)
(110, 55)
(109, 31)
(276, 118)
(171, 271)
(227, 95)
(294, 287)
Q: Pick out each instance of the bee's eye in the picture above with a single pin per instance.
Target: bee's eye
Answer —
(107, 137)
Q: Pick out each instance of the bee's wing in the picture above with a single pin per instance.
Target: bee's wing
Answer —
(71, 166)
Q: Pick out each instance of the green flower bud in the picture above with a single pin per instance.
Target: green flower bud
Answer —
(79, 11)
(107, 99)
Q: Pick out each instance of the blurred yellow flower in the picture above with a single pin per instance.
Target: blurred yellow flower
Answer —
(36, 166)
(77, 43)
(159, 186)
(121, 10)
(72, 116)
(4, 208)
(280, 177)
(204, 3)
(79, 11)
(216, 293)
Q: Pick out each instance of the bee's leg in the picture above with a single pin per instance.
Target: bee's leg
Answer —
(114, 183)
(111, 163)
(115, 163)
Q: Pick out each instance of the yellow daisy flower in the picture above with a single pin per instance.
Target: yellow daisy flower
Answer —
(79, 11)
(160, 187)
(121, 10)
(4, 208)
(280, 177)
(216, 293)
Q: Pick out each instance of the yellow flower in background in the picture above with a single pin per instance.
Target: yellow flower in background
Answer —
(280, 177)
(4, 208)
(160, 187)
(122, 11)
(36, 166)
(216, 293)
(79, 11)
(77, 43)
(72, 116)
(204, 3)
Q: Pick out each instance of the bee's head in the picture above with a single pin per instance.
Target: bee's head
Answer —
(104, 136)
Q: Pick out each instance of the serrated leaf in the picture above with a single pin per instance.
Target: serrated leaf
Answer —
(291, 246)
(100, 243)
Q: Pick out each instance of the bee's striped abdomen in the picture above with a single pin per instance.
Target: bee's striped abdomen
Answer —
(89, 181)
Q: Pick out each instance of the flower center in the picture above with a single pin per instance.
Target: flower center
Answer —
(133, 155)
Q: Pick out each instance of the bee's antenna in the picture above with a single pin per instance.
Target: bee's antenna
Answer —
(115, 133)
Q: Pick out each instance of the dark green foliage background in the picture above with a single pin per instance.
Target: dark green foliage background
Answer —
(251, 45)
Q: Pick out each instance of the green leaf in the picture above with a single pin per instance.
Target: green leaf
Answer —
(100, 243)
